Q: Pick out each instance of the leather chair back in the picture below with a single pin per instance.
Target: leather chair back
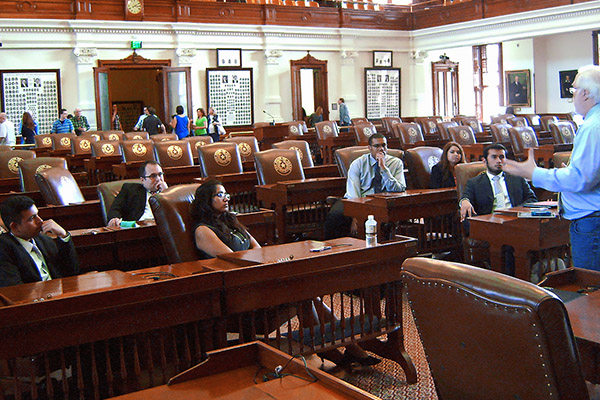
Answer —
(491, 336)
(248, 145)
(112, 135)
(28, 169)
(363, 131)
(171, 209)
(533, 120)
(327, 129)
(104, 148)
(220, 158)
(428, 124)
(137, 150)
(9, 162)
(501, 119)
(82, 144)
(136, 136)
(389, 122)
(107, 193)
(301, 146)
(359, 120)
(62, 141)
(560, 158)
(563, 132)
(96, 135)
(173, 153)
(5, 147)
(58, 187)
(159, 137)
(462, 135)
(522, 138)
(196, 142)
(408, 132)
(296, 128)
(420, 160)
(344, 157)
(442, 128)
(277, 165)
(546, 120)
(474, 123)
(43, 141)
(500, 133)
(466, 171)
(518, 122)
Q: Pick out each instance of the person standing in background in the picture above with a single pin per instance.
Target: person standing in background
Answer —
(80, 122)
(115, 120)
(28, 129)
(62, 124)
(140, 121)
(152, 124)
(7, 131)
(180, 123)
(213, 125)
(201, 124)
(344, 114)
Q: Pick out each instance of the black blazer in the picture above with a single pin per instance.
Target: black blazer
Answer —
(437, 181)
(17, 266)
(129, 204)
(481, 195)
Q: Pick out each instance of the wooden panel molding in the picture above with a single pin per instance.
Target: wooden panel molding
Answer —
(496, 8)
(460, 12)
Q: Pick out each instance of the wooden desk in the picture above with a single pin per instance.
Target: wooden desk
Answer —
(99, 169)
(231, 374)
(300, 205)
(242, 189)
(75, 216)
(584, 314)
(329, 144)
(430, 215)
(269, 134)
(544, 236)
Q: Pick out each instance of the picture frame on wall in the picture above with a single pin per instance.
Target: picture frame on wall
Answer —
(566, 79)
(382, 92)
(230, 91)
(518, 87)
(229, 58)
(383, 58)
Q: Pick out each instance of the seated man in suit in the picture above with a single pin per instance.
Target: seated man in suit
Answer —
(370, 173)
(131, 204)
(493, 190)
(27, 254)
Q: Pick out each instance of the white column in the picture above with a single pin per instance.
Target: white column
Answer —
(271, 88)
(86, 98)
(349, 86)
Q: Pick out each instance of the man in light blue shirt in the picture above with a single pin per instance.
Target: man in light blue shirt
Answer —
(579, 182)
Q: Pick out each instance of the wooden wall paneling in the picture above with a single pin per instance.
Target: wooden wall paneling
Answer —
(394, 21)
(459, 12)
(110, 10)
(495, 8)
(160, 10)
(59, 9)
(302, 16)
(228, 13)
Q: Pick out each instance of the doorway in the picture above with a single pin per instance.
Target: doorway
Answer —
(309, 87)
(445, 88)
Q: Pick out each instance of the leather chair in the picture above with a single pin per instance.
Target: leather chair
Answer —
(159, 137)
(521, 139)
(462, 135)
(408, 133)
(173, 153)
(492, 336)
(104, 148)
(43, 141)
(248, 145)
(420, 160)
(220, 158)
(5, 147)
(301, 146)
(277, 165)
(500, 133)
(560, 158)
(563, 132)
(360, 120)
(58, 187)
(171, 209)
(533, 120)
(546, 120)
(518, 122)
(327, 129)
(136, 136)
(466, 171)
(112, 135)
(108, 191)
(28, 169)
(82, 145)
(428, 124)
(345, 156)
(9, 162)
(363, 131)
(389, 122)
(501, 119)
(62, 141)
(196, 142)
(474, 123)
(297, 128)
(442, 128)
(137, 150)
(97, 135)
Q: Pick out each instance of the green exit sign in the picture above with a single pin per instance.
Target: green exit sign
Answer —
(136, 44)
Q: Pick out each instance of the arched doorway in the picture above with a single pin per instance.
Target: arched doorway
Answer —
(316, 71)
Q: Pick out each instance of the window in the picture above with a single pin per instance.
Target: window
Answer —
(487, 80)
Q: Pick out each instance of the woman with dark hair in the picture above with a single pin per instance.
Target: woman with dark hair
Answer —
(28, 128)
(180, 123)
(201, 124)
(216, 230)
(442, 173)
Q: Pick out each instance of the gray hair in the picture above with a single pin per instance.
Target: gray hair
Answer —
(588, 78)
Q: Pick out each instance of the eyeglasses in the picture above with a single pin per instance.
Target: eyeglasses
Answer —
(222, 195)
(154, 176)
(572, 90)
(379, 146)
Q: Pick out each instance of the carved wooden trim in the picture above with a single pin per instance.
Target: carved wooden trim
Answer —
(321, 88)
(134, 59)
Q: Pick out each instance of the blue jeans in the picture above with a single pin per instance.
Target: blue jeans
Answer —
(585, 242)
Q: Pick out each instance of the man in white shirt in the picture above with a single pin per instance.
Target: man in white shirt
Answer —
(7, 131)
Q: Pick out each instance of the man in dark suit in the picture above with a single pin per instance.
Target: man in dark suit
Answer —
(131, 204)
(27, 254)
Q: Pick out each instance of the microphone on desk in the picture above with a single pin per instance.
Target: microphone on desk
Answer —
(272, 122)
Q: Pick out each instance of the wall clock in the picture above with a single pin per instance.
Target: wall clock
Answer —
(134, 9)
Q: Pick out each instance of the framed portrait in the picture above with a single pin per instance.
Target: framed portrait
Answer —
(230, 93)
(566, 82)
(382, 92)
(382, 58)
(518, 87)
(229, 58)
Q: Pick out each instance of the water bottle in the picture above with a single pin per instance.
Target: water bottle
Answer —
(371, 231)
